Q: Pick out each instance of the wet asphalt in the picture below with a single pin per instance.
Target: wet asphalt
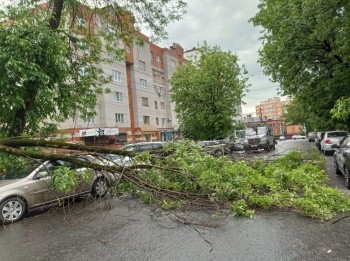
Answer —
(125, 229)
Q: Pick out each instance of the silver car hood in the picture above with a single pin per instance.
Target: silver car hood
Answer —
(6, 182)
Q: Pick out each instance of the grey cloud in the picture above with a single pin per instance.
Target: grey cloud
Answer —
(225, 23)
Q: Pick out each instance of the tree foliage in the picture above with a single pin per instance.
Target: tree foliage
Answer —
(295, 181)
(207, 92)
(51, 54)
(305, 49)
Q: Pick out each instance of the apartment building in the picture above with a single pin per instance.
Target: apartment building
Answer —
(138, 106)
(270, 109)
(270, 112)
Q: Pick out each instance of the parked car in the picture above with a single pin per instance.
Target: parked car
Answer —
(120, 160)
(282, 138)
(318, 138)
(342, 159)
(215, 147)
(298, 137)
(144, 146)
(311, 136)
(26, 187)
(330, 138)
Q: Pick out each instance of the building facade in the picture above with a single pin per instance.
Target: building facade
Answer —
(138, 106)
(271, 108)
(270, 113)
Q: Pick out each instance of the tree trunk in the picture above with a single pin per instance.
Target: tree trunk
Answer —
(56, 14)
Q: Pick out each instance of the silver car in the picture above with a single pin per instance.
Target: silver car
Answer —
(330, 138)
(24, 188)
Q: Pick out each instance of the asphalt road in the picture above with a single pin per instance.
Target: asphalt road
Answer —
(125, 229)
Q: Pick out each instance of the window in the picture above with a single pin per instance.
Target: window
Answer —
(111, 31)
(140, 48)
(89, 119)
(163, 121)
(116, 76)
(157, 120)
(173, 63)
(81, 22)
(84, 71)
(119, 118)
(156, 88)
(146, 120)
(158, 58)
(161, 91)
(162, 106)
(142, 65)
(155, 104)
(145, 101)
(143, 83)
(118, 96)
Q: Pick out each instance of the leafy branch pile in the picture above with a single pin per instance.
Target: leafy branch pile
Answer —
(295, 181)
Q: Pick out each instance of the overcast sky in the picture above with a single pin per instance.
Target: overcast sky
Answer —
(225, 23)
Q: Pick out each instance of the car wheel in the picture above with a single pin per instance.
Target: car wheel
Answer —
(12, 210)
(347, 178)
(100, 187)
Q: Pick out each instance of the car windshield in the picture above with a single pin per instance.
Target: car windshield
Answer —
(250, 132)
(261, 130)
(337, 134)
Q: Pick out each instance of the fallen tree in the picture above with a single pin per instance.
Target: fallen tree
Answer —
(187, 177)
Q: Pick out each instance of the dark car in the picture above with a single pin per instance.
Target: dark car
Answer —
(311, 136)
(342, 159)
(318, 138)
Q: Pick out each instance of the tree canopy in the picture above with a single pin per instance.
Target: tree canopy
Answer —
(50, 55)
(305, 49)
(207, 92)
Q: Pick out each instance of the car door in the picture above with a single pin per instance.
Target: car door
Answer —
(42, 189)
(343, 153)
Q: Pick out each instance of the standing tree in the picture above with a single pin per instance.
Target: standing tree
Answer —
(207, 92)
(50, 55)
(306, 50)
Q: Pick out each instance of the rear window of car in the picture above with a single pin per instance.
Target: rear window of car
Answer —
(337, 134)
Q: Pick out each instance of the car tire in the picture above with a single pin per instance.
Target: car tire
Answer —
(347, 178)
(12, 210)
(99, 188)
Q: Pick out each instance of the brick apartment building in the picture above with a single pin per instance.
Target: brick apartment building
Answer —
(270, 113)
(138, 108)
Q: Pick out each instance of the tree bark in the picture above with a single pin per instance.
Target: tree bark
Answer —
(56, 14)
